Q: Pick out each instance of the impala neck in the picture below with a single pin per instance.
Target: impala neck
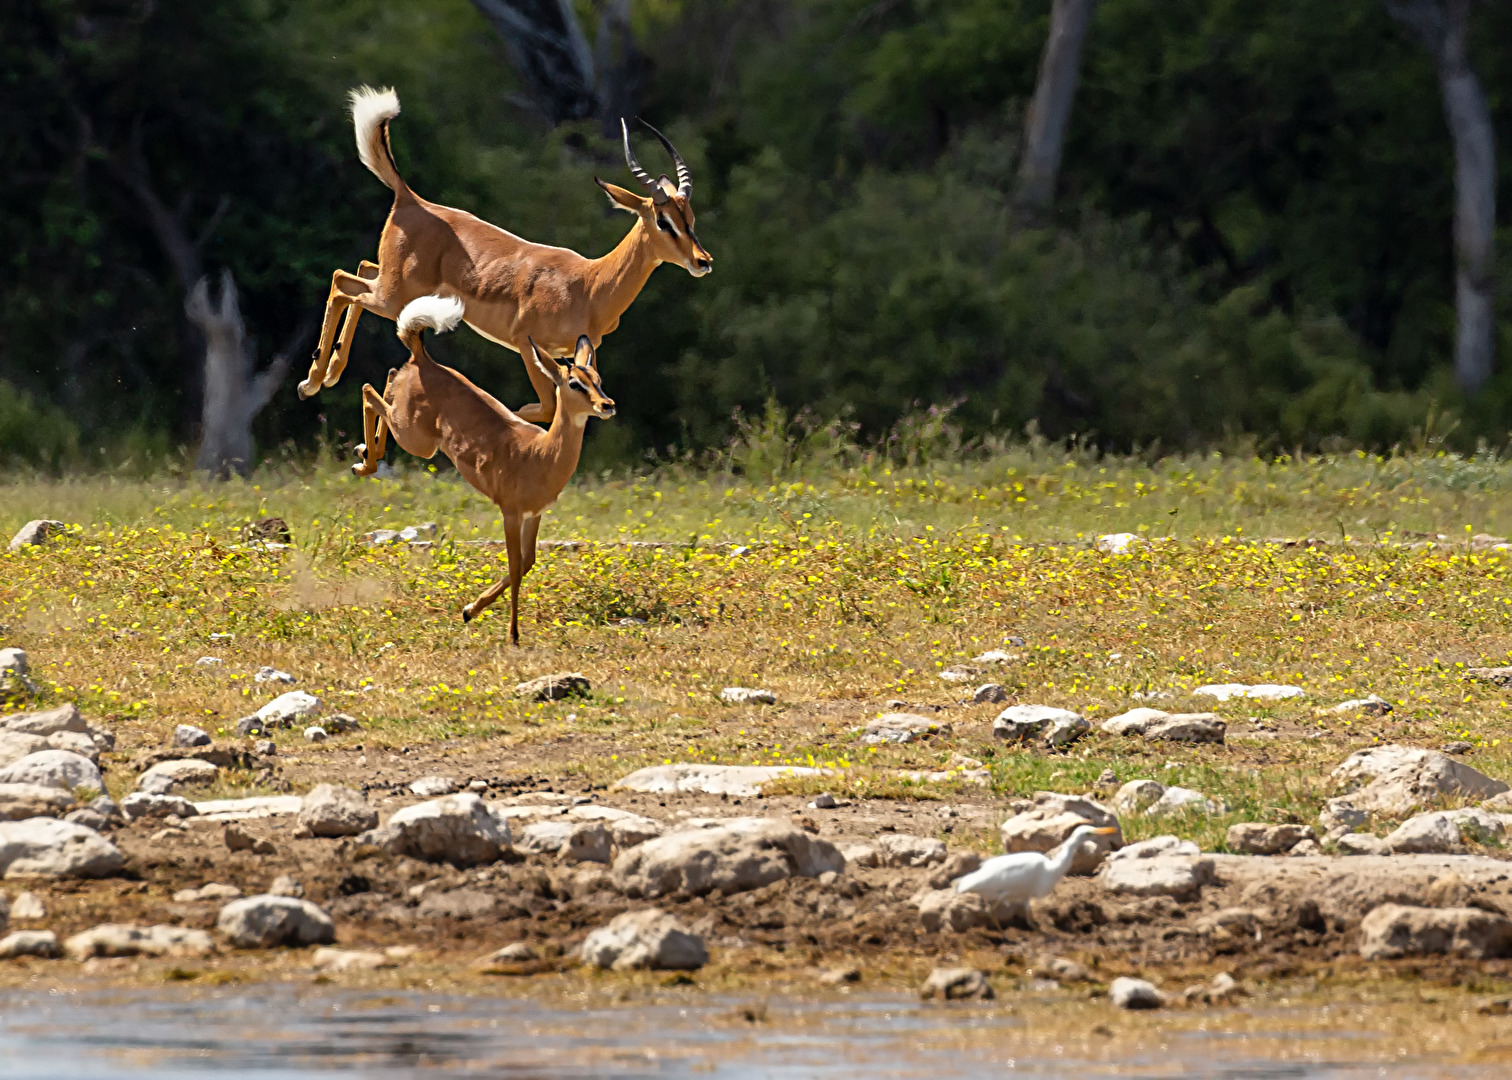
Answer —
(564, 445)
(617, 278)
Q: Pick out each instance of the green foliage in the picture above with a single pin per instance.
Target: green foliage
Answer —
(34, 434)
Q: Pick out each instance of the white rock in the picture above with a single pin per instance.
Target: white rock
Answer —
(329, 810)
(736, 780)
(1127, 993)
(208, 661)
(1222, 691)
(340, 960)
(1259, 838)
(35, 533)
(21, 801)
(1445, 831)
(256, 806)
(43, 847)
(166, 777)
(15, 745)
(572, 841)
(1361, 844)
(187, 735)
(285, 709)
(740, 854)
(644, 939)
(142, 804)
(54, 768)
(947, 910)
(1022, 723)
(315, 735)
(995, 656)
(1187, 727)
(1133, 722)
(625, 829)
(430, 787)
(745, 695)
(1176, 800)
(1117, 543)
(900, 727)
(1154, 848)
(1273, 692)
(124, 939)
(273, 675)
(47, 721)
(75, 743)
(1394, 930)
(212, 891)
(266, 922)
(28, 907)
(863, 855)
(13, 662)
(39, 943)
(1371, 705)
(901, 849)
(1178, 876)
(1406, 779)
(1137, 796)
(457, 829)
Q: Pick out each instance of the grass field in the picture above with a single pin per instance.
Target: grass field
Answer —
(862, 579)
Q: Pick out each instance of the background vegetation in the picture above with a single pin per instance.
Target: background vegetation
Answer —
(1252, 239)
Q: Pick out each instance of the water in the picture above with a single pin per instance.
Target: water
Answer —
(294, 1033)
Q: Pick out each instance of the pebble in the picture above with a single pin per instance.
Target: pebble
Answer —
(430, 787)
(644, 939)
(315, 734)
(35, 533)
(285, 885)
(286, 708)
(272, 674)
(41, 943)
(266, 922)
(208, 661)
(745, 695)
(956, 984)
(28, 906)
(988, 694)
(823, 801)
(1127, 993)
(554, 687)
(187, 735)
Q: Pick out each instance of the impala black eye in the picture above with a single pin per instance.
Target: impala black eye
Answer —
(665, 226)
(573, 384)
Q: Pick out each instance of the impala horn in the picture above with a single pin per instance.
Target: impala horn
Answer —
(661, 188)
(684, 177)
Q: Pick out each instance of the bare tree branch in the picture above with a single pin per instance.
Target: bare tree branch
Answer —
(1050, 108)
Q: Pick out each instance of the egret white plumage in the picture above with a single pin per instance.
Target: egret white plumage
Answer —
(1025, 875)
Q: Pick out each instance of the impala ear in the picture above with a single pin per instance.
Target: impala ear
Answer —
(582, 356)
(622, 199)
(551, 371)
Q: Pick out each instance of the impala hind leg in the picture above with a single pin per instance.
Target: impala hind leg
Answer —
(375, 425)
(346, 290)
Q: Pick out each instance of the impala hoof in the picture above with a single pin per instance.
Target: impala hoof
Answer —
(361, 451)
(467, 614)
(304, 389)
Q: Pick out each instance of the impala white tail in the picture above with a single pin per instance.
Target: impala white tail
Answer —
(438, 313)
(371, 112)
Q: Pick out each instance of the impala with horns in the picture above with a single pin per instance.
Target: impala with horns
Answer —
(520, 468)
(513, 291)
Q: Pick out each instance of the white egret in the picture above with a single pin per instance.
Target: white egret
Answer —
(1025, 875)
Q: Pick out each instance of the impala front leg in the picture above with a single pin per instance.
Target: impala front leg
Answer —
(543, 411)
(512, 545)
(374, 432)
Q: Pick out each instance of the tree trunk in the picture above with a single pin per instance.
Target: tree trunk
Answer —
(233, 395)
(1050, 108)
(1443, 26)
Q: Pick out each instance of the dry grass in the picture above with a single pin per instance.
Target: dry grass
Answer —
(844, 606)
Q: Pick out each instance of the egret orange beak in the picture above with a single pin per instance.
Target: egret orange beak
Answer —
(1105, 831)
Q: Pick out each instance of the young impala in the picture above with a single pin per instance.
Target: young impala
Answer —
(512, 291)
(522, 469)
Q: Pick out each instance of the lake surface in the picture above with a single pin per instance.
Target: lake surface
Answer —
(288, 1032)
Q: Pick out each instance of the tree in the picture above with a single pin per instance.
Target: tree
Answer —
(1050, 108)
(1443, 28)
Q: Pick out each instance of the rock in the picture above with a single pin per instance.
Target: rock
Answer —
(75, 743)
(518, 953)
(739, 854)
(213, 891)
(1127, 993)
(1369, 705)
(47, 721)
(265, 922)
(745, 695)
(1067, 971)
(209, 661)
(285, 709)
(840, 976)
(21, 801)
(1137, 796)
(1407, 779)
(142, 804)
(15, 745)
(1053, 819)
(186, 735)
(39, 943)
(1133, 722)
(273, 675)
(1163, 866)
(1395, 930)
(901, 727)
(124, 939)
(554, 687)
(1023, 723)
(740, 781)
(456, 904)
(1187, 727)
(43, 847)
(1496, 676)
(988, 694)
(88, 818)
(1180, 800)
(943, 910)
(265, 748)
(36, 533)
(1361, 844)
(341, 960)
(863, 855)
(644, 939)
(1445, 831)
(1117, 543)
(457, 829)
(1262, 692)
(316, 735)
(329, 810)
(284, 885)
(823, 801)
(901, 849)
(956, 984)
(572, 841)
(1457, 747)
(253, 725)
(956, 864)
(256, 806)
(430, 787)
(167, 776)
(959, 673)
(54, 768)
(996, 656)
(1064, 732)
(13, 662)
(1304, 848)
(1257, 838)
(1341, 814)
(238, 839)
(28, 907)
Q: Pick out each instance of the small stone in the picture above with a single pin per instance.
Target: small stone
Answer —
(1133, 722)
(554, 687)
(1067, 971)
(988, 694)
(315, 734)
(1303, 848)
(745, 695)
(1127, 993)
(1394, 930)
(644, 939)
(252, 725)
(54, 768)
(430, 787)
(265, 922)
(902, 727)
(1371, 705)
(517, 953)
(823, 801)
(238, 839)
(35, 533)
(1137, 796)
(956, 984)
(1022, 723)
(28, 907)
(124, 939)
(1457, 747)
(265, 748)
(840, 976)
(903, 850)
(186, 735)
(1258, 838)
(329, 810)
(213, 891)
(142, 804)
(285, 885)
(341, 960)
(862, 855)
(1117, 543)
(209, 661)
(285, 709)
(39, 943)
(477, 786)
(167, 776)
(1187, 727)
(273, 675)
(1180, 800)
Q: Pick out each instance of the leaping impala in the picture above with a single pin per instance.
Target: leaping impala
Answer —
(513, 292)
(521, 468)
